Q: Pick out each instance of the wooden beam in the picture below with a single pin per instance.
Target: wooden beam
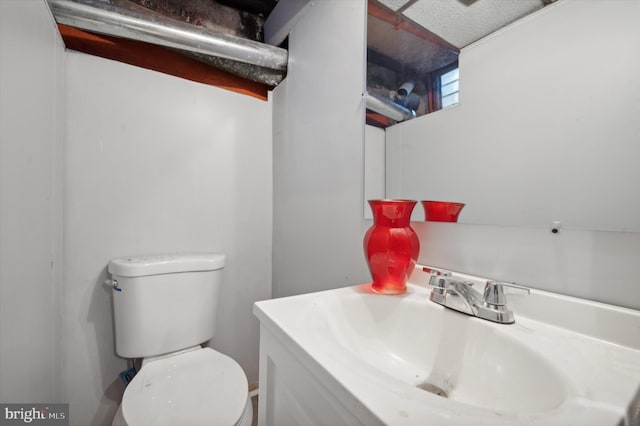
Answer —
(158, 58)
(406, 6)
(377, 120)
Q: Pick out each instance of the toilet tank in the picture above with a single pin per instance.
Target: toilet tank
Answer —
(164, 303)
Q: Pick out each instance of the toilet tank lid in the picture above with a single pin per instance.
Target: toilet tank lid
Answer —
(138, 266)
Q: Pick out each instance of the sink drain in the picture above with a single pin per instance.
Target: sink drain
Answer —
(433, 389)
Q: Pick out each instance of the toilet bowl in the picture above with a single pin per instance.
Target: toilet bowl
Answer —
(164, 309)
(198, 386)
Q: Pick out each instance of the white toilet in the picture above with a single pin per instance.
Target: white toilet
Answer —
(164, 309)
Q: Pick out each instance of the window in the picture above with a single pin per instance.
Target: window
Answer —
(448, 84)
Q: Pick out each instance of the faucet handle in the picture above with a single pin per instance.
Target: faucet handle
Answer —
(437, 278)
(443, 279)
(494, 292)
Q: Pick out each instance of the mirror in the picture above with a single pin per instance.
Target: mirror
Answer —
(413, 47)
(546, 130)
(405, 62)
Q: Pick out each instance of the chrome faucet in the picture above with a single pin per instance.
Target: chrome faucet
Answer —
(459, 295)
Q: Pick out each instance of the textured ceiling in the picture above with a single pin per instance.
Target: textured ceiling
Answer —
(460, 24)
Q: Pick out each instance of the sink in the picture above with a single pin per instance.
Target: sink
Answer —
(350, 356)
(452, 355)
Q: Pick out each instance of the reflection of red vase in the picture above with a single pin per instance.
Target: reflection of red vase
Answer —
(391, 246)
(441, 211)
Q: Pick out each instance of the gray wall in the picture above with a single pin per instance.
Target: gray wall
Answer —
(31, 119)
(158, 164)
(319, 152)
(152, 164)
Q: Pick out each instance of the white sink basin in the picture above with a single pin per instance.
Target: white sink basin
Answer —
(427, 346)
(377, 353)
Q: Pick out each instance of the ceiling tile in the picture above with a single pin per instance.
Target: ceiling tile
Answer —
(394, 4)
(461, 25)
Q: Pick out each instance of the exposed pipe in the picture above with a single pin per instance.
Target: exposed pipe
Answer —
(406, 89)
(406, 97)
(387, 107)
(263, 75)
(105, 18)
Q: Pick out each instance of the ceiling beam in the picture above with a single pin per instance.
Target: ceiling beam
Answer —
(406, 6)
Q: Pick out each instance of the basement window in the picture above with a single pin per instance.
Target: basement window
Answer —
(448, 88)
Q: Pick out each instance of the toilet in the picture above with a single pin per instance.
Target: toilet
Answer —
(164, 310)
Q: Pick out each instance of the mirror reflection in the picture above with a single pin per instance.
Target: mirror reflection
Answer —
(413, 47)
(546, 130)
(408, 67)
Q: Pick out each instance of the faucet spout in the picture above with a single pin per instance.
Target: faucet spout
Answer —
(460, 296)
(453, 294)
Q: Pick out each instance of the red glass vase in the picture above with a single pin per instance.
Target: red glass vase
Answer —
(441, 211)
(391, 246)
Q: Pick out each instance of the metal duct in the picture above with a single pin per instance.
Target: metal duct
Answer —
(263, 75)
(388, 108)
(105, 18)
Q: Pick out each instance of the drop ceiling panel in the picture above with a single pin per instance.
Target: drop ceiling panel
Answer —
(394, 4)
(461, 25)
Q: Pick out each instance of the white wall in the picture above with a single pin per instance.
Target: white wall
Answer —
(318, 152)
(31, 93)
(158, 164)
(547, 126)
(593, 120)
(595, 265)
(374, 167)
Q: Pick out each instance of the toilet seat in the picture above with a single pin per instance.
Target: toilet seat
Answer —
(198, 387)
